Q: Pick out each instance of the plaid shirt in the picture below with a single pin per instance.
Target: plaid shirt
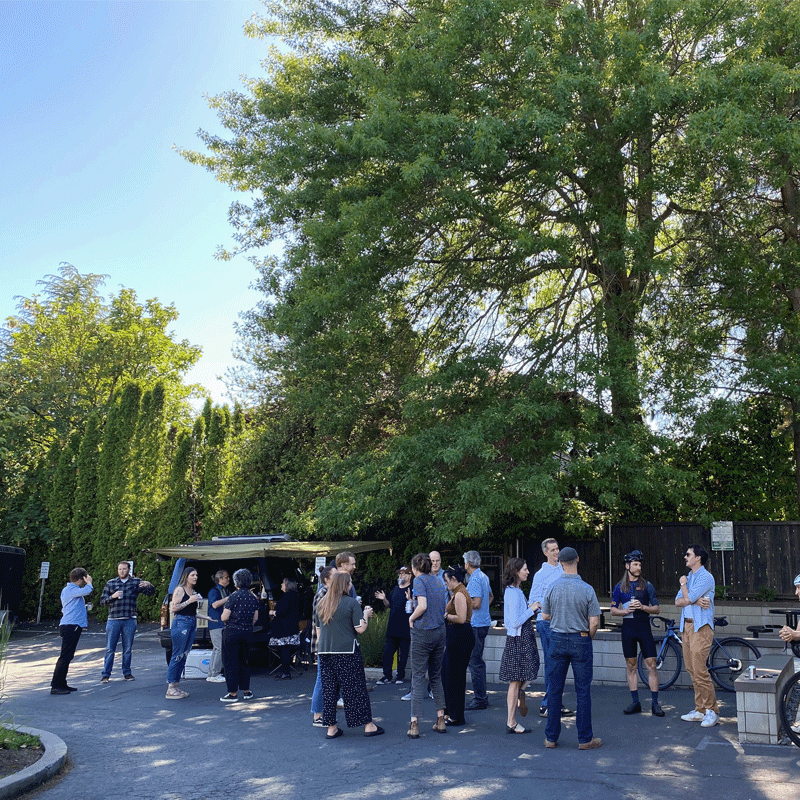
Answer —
(321, 592)
(125, 606)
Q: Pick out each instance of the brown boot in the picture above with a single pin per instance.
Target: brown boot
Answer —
(440, 726)
(413, 730)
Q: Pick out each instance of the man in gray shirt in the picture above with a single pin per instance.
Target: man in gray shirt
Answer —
(574, 613)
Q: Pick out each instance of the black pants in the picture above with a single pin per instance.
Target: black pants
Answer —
(236, 659)
(460, 642)
(401, 646)
(70, 634)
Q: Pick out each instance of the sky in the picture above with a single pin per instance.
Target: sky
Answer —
(93, 96)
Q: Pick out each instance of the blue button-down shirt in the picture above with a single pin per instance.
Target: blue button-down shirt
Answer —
(698, 584)
(73, 606)
(544, 578)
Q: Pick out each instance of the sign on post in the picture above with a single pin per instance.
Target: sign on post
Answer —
(44, 572)
(319, 563)
(722, 536)
(722, 539)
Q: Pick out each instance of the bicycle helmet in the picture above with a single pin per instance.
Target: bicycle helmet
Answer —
(634, 555)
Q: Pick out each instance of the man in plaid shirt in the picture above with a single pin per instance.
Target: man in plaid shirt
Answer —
(120, 595)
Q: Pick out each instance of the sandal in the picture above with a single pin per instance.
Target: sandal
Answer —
(178, 694)
(522, 703)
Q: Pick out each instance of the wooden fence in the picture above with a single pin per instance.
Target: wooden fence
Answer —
(766, 556)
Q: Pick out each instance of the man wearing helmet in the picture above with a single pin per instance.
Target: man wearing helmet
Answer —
(634, 599)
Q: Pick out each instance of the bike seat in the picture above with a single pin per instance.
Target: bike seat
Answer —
(720, 622)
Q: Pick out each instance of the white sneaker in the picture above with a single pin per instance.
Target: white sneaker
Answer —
(215, 679)
(406, 696)
(340, 703)
(693, 716)
(710, 719)
(796, 727)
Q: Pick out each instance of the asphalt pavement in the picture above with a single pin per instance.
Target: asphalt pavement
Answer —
(126, 740)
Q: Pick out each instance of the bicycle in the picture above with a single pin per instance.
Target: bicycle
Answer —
(789, 709)
(727, 659)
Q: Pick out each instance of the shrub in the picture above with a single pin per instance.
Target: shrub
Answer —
(372, 641)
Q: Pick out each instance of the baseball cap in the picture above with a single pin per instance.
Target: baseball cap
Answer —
(568, 554)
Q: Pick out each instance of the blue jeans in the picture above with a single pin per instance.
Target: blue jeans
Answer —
(570, 649)
(543, 628)
(115, 627)
(182, 633)
(477, 666)
(316, 696)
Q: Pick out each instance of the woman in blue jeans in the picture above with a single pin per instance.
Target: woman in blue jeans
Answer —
(184, 623)
(325, 575)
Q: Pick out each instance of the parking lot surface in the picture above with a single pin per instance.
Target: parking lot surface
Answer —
(126, 740)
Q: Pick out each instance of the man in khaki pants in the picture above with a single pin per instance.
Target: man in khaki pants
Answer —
(696, 601)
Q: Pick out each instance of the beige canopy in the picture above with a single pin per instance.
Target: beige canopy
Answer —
(240, 549)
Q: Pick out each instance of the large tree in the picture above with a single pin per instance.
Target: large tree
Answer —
(495, 180)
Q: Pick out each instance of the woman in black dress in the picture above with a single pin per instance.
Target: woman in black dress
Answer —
(460, 642)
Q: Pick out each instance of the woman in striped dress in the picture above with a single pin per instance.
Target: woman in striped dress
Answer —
(520, 662)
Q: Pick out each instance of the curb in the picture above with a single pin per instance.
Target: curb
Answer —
(51, 763)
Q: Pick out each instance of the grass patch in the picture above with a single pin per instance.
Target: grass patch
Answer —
(15, 740)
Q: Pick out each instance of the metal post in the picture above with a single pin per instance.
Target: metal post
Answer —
(39, 612)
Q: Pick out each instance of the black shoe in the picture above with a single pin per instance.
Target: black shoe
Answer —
(70, 688)
(542, 711)
(59, 690)
(657, 710)
(477, 705)
(454, 723)
(129, 677)
(634, 708)
(565, 712)
(377, 732)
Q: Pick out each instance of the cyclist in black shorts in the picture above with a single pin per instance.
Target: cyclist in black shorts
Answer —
(635, 600)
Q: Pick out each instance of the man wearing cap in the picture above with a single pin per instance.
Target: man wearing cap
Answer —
(695, 598)
(634, 599)
(398, 631)
(544, 578)
(480, 592)
(574, 613)
(788, 635)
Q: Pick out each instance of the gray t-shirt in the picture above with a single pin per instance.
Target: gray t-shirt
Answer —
(339, 635)
(570, 602)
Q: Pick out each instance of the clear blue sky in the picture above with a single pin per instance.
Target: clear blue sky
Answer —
(93, 95)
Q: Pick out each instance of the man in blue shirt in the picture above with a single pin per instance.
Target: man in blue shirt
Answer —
(480, 591)
(696, 601)
(73, 621)
(217, 598)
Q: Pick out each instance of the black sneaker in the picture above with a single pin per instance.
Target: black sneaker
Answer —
(634, 708)
(129, 677)
(565, 712)
(656, 710)
(542, 711)
(59, 690)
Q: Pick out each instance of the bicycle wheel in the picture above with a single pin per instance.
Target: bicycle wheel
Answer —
(789, 709)
(728, 659)
(668, 663)
(796, 649)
